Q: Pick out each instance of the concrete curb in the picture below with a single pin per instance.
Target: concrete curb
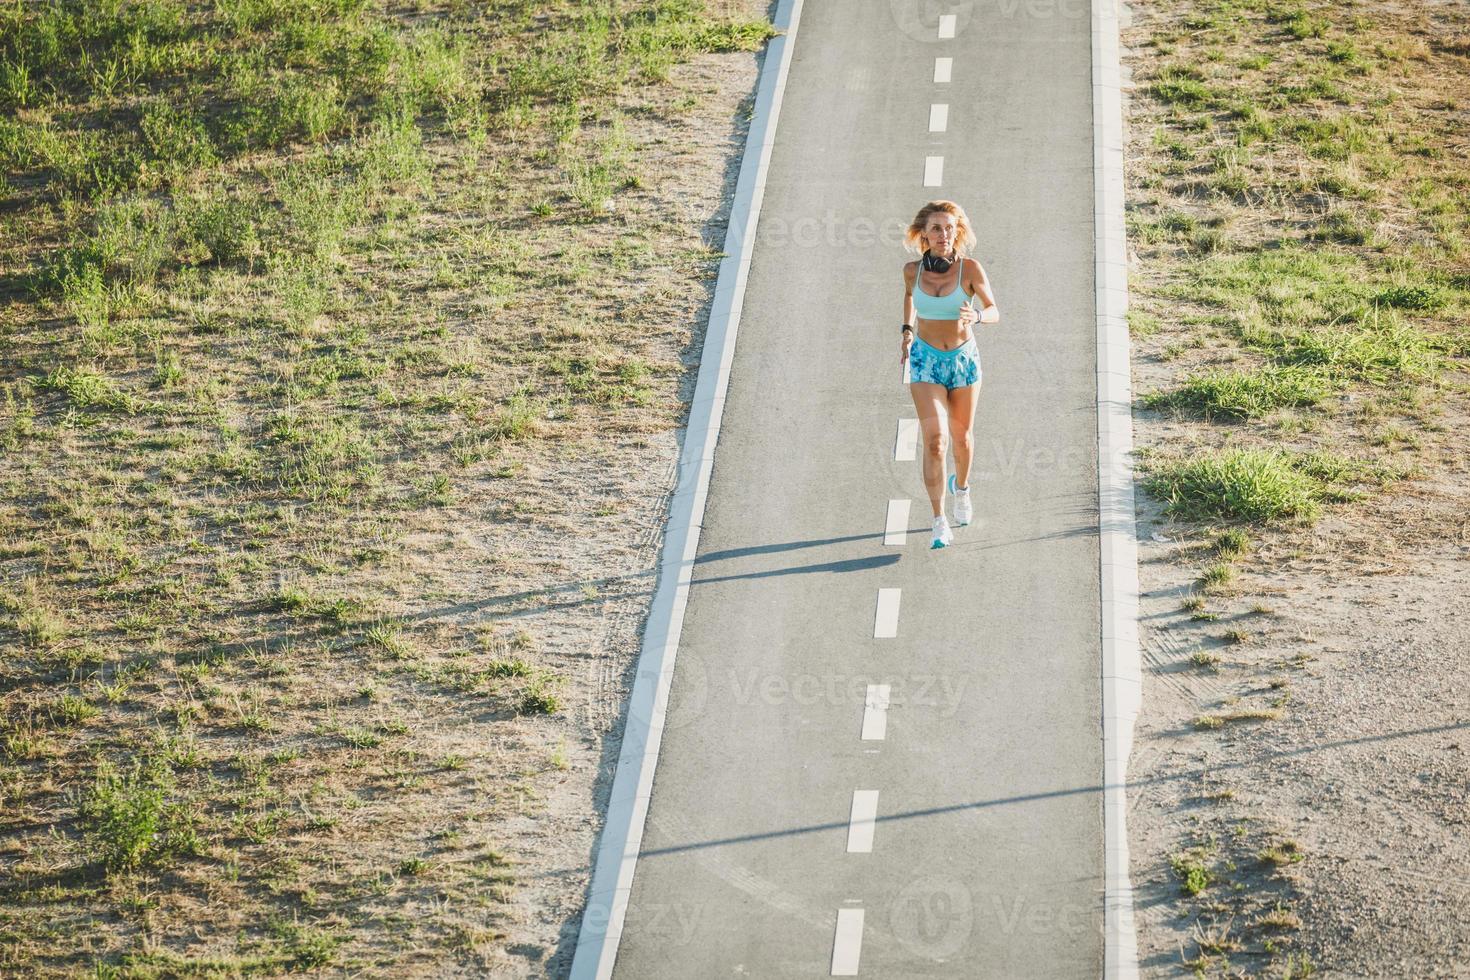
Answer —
(1121, 677)
(622, 833)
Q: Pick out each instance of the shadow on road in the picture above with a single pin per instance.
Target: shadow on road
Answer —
(1051, 794)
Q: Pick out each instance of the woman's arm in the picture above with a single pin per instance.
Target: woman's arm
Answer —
(989, 312)
(908, 294)
(906, 337)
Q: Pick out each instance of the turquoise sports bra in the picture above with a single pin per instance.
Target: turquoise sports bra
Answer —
(938, 307)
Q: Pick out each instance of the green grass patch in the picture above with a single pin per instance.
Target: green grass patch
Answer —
(1217, 577)
(538, 700)
(1418, 297)
(511, 667)
(1261, 485)
(1205, 660)
(1325, 312)
(1297, 22)
(1347, 226)
(1193, 871)
(87, 389)
(1332, 137)
(1282, 852)
(128, 818)
(1245, 485)
(1183, 85)
(1231, 543)
(1245, 394)
(520, 417)
(1376, 351)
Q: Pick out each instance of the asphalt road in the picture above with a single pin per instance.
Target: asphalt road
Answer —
(985, 854)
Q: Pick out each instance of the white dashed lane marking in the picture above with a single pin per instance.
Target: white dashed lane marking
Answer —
(860, 824)
(933, 171)
(885, 618)
(875, 713)
(847, 945)
(895, 528)
(907, 443)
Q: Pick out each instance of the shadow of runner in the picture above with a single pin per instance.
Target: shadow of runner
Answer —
(848, 565)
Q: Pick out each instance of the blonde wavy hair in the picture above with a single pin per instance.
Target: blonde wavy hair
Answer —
(913, 237)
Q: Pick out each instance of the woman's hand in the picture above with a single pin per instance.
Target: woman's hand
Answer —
(903, 347)
(969, 316)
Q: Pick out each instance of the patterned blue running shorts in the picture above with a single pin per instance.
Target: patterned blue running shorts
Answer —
(952, 368)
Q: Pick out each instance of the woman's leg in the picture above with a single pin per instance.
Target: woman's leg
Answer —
(961, 408)
(929, 402)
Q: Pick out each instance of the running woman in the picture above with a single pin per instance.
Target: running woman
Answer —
(944, 363)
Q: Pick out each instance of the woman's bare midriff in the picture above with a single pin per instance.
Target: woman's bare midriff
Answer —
(942, 334)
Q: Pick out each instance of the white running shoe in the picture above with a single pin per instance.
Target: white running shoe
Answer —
(964, 511)
(942, 535)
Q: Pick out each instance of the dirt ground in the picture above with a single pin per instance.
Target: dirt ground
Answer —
(1328, 810)
(1366, 771)
(587, 585)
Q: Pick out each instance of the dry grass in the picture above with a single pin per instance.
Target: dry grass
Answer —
(1304, 223)
(1299, 203)
(297, 298)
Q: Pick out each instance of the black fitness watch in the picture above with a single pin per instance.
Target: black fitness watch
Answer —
(906, 327)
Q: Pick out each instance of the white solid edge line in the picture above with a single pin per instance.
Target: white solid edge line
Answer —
(885, 616)
(622, 832)
(933, 171)
(861, 821)
(896, 523)
(847, 943)
(942, 69)
(1121, 678)
(875, 713)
